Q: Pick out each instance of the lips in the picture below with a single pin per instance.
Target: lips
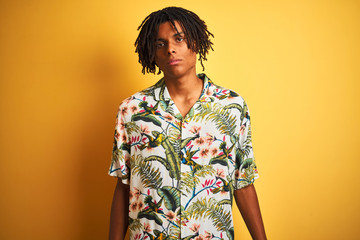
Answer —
(174, 61)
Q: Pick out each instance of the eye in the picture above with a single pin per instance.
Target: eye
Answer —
(159, 44)
(179, 39)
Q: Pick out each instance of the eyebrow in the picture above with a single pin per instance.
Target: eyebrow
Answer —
(175, 35)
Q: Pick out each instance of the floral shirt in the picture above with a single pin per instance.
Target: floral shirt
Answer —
(183, 171)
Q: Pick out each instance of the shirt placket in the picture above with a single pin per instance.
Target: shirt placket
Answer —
(181, 121)
(182, 166)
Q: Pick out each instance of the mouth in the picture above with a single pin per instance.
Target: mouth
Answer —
(174, 61)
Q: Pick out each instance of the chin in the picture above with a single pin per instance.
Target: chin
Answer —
(176, 73)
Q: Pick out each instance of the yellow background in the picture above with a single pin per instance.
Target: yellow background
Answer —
(66, 65)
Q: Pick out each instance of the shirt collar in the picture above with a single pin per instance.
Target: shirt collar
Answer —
(162, 93)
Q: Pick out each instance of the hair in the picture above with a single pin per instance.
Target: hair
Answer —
(195, 30)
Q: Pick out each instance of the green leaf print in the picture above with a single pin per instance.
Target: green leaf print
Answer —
(171, 196)
(152, 211)
(234, 105)
(219, 160)
(146, 118)
(117, 155)
(131, 127)
(224, 121)
(188, 182)
(173, 160)
(173, 134)
(169, 165)
(204, 171)
(225, 201)
(150, 216)
(174, 233)
(244, 112)
(190, 237)
(134, 225)
(161, 93)
(239, 158)
(191, 179)
(163, 105)
(245, 164)
(230, 233)
(150, 177)
(125, 146)
(187, 140)
(210, 208)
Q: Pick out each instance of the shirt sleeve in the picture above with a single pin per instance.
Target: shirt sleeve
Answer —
(245, 167)
(120, 161)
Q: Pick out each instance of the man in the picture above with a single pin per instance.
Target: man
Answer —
(182, 148)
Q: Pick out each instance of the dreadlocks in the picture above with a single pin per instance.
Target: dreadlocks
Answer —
(196, 34)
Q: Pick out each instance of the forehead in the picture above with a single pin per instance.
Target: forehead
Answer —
(167, 29)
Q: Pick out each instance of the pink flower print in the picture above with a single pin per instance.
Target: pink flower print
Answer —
(134, 109)
(208, 183)
(207, 235)
(204, 152)
(137, 193)
(195, 227)
(209, 139)
(220, 173)
(199, 141)
(195, 129)
(137, 236)
(133, 206)
(147, 227)
(124, 110)
(169, 117)
(117, 136)
(214, 151)
(200, 237)
(127, 100)
(121, 124)
(171, 216)
(144, 129)
(123, 138)
(242, 129)
(140, 205)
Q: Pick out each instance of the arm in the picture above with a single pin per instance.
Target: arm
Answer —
(247, 202)
(119, 219)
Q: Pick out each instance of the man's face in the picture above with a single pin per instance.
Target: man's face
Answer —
(172, 55)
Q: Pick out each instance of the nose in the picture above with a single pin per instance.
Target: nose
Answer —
(171, 48)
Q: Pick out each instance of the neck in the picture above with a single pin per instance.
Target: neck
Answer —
(184, 87)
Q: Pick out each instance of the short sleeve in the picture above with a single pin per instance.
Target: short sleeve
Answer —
(120, 161)
(245, 167)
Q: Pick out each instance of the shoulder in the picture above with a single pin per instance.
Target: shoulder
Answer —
(149, 94)
(222, 95)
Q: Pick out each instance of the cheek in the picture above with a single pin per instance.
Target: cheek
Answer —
(157, 57)
(192, 56)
